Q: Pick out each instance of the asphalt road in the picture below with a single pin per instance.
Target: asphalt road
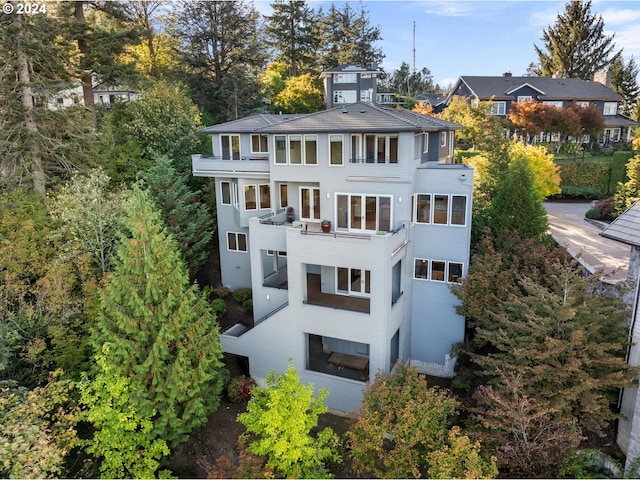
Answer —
(570, 229)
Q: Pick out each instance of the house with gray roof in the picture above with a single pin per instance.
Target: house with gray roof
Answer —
(626, 229)
(350, 225)
(505, 90)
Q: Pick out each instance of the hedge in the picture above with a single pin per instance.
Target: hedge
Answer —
(619, 169)
(591, 175)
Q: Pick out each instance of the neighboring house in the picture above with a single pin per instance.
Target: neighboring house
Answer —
(374, 290)
(104, 94)
(436, 100)
(560, 92)
(350, 84)
(626, 229)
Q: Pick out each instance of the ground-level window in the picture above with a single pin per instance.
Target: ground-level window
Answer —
(236, 241)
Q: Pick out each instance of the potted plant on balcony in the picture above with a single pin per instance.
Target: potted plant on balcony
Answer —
(325, 225)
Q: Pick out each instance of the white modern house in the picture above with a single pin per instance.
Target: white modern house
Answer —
(374, 287)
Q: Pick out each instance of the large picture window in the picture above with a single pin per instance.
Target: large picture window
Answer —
(437, 270)
(377, 148)
(370, 213)
(352, 281)
(439, 209)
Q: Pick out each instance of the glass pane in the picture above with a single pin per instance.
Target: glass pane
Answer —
(356, 212)
(355, 148)
(343, 211)
(382, 149)
(440, 206)
(316, 203)
(356, 279)
(384, 214)
(370, 147)
(224, 144)
(306, 203)
(281, 149)
(371, 213)
(455, 272)
(437, 271)
(336, 149)
(421, 268)
(242, 242)
(250, 197)
(367, 281)
(265, 196)
(393, 150)
(310, 150)
(235, 146)
(231, 241)
(295, 149)
(226, 193)
(458, 207)
(343, 279)
(423, 209)
(284, 197)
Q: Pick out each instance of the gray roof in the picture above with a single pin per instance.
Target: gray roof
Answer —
(625, 228)
(354, 117)
(247, 124)
(362, 117)
(349, 69)
(506, 87)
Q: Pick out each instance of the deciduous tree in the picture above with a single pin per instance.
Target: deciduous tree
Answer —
(164, 337)
(301, 94)
(279, 420)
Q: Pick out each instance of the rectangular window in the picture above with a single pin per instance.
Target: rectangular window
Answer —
(393, 149)
(365, 96)
(353, 280)
(610, 108)
(230, 147)
(437, 270)
(335, 149)
(284, 198)
(356, 212)
(369, 148)
(525, 98)
(236, 242)
(250, 202)
(311, 149)
(443, 139)
(344, 96)
(440, 209)
(345, 78)
(425, 143)
(225, 193)
(423, 208)
(259, 144)
(455, 272)
(342, 215)
(554, 103)
(281, 148)
(498, 108)
(582, 104)
(370, 213)
(356, 154)
(382, 149)
(458, 209)
(421, 269)
(265, 196)
(295, 149)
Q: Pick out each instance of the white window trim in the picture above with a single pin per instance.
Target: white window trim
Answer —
(363, 197)
(354, 293)
(426, 260)
(237, 235)
(499, 108)
(303, 155)
(259, 195)
(443, 139)
(311, 205)
(259, 143)
(329, 145)
(429, 263)
(222, 202)
(304, 150)
(610, 108)
(425, 142)
(414, 203)
(244, 197)
(231, 136)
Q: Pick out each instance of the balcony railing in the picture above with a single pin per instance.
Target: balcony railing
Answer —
(381, 161)
(233, 158)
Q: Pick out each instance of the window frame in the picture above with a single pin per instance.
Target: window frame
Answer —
(498, 108)
(260, 136)
(427, 271)
(332, 138)
(222, 193)
(363, 200)
(232, 138)
(245, 188)
(610, 108)
(365, 280)
(431, 200)
(425, 262)
(262, 196)
(312, 205)
(237, 235)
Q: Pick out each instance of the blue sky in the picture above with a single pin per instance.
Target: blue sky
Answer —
(454, 38)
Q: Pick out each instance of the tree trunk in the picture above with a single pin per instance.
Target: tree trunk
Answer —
(33, 158)
(83, 47)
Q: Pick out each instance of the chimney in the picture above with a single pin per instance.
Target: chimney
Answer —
(507, 74)
(603, 77)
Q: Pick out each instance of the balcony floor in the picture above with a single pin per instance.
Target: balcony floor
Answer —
(344, 302)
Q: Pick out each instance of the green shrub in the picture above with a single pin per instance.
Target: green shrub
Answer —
(222, 292)
(242, 294)
(248, 305)
(219, 307)
(239, 389)
(619, 169)
(585, 193)
(593, 214)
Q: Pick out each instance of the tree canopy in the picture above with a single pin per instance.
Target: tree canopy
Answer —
(576, 46)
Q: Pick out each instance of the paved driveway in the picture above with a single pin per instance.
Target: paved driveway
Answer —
(570, 229)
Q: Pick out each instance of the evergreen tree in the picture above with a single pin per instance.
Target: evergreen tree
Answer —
(404, 82)
(349, 38)
(624, 80)
(224, 51)
(184, 215)
(517, 207)
(576, 46)
(290, 31)
(164, 337)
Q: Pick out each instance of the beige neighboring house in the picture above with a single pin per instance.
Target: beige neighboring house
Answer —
(104, 94)
(626, 229)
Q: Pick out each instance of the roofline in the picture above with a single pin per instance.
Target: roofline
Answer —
(526, 84)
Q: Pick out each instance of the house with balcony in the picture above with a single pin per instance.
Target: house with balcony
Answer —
(344, 300)
(505, 90)
(346, 84)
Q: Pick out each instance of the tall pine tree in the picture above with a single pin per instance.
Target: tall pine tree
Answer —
(164, 337)
(624, 80)
(576, 46)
